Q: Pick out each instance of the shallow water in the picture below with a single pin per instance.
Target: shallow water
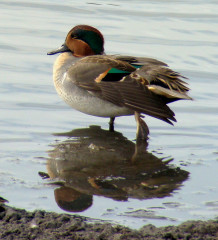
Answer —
(36, 126)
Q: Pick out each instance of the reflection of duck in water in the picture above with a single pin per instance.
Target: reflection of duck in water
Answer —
(98, 162)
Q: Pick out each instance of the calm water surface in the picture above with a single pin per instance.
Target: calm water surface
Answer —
(174, 180)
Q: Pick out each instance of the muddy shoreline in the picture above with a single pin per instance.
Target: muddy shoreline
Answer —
(20, 224)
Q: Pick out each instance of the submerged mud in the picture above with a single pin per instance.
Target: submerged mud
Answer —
(20, 224)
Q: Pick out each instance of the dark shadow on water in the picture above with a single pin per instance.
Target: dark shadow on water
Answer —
(93, 161)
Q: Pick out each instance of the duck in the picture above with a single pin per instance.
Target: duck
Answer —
(111, 86)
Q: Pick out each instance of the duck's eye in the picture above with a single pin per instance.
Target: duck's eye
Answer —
(74, 36)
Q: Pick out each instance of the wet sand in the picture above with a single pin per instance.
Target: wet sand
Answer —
(20, 224)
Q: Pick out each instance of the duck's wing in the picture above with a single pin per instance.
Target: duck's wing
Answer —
(139, 61)
(89, 71)
(157, 73)
(135, 88)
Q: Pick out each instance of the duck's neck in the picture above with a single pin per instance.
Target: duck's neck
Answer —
(61, 65)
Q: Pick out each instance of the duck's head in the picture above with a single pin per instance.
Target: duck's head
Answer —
(82, 40)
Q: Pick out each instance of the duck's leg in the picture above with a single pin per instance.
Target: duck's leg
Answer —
(111, 124)
(142, 128)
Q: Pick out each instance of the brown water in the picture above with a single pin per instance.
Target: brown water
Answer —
(39, 133)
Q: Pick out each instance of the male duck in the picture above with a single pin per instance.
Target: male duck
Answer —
(113, 85)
